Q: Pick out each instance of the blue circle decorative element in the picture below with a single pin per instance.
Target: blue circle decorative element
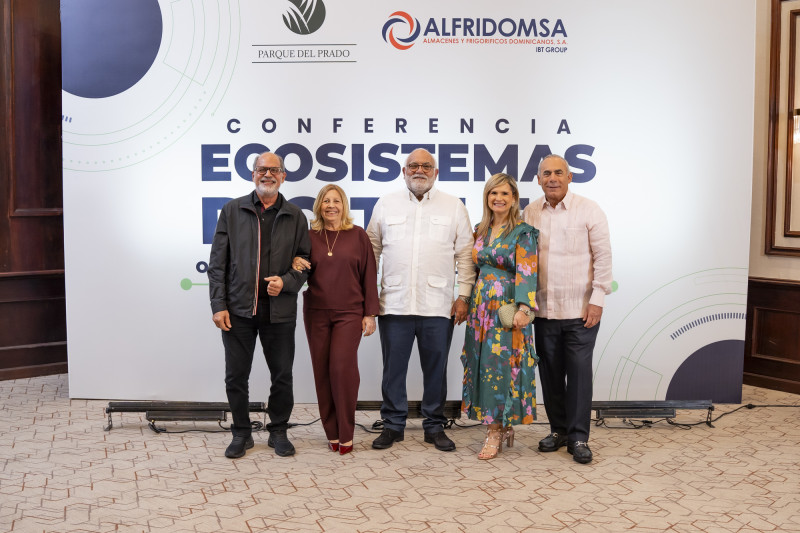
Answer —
(714, 372)
(107, 47)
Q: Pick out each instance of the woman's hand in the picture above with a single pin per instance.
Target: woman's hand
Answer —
(368, 325)
(522, 317)
(300, 264)
(521, 320)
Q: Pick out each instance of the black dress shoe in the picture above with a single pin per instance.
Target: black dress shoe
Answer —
(440, 441)
(580, 452)
(279, 441)
(552, 442)
(387, 438)
(239, 446)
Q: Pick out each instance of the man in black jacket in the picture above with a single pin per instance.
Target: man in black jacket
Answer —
(254, 294)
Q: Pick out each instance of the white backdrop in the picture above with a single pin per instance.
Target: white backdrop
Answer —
(652, 102)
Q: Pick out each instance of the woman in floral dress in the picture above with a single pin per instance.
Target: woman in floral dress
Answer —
(499, 363)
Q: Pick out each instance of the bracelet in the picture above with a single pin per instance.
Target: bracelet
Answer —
(465, 299)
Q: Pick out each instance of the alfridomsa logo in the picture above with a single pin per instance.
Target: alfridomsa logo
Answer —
(411, 26)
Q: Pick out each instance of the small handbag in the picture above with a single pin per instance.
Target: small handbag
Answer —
(506, 314)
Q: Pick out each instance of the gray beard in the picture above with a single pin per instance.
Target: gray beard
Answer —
(266, 190)
(419, 187)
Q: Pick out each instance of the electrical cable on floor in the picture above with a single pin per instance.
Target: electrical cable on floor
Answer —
(451, 423)
(256, 426)
(458, 424)
(631, 424)
(377, 427)
(305, 424)
(156, 429)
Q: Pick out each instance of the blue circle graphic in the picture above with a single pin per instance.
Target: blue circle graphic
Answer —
(107, 47)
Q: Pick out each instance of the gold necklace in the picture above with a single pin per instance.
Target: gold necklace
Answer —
(494, 233)
(330, 248)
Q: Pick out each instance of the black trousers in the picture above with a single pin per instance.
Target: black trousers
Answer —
(565, 351)
(277, 341)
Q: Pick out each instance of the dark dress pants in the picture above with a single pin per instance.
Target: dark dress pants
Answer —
(277, 341)
(433, 336)
(333, 338)
(565, 351)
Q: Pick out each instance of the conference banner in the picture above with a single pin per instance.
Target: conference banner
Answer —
(166, 104)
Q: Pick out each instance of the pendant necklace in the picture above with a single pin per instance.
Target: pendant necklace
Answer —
(330, 248)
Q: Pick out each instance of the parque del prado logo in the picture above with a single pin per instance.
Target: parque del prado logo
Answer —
(304, 16)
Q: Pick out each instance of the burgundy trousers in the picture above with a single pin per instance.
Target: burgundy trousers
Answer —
(333, 338)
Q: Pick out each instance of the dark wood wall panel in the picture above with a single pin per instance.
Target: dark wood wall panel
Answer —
(22, 361)
(32, 305)
(36, 77)
(778, 335)
(36, 315)
(772, 340)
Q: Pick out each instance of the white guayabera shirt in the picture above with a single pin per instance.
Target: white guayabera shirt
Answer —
(422, 243)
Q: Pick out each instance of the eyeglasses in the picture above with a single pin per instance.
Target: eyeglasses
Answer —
(427, 167)
(272, 170)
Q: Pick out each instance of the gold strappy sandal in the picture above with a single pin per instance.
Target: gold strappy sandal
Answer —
(492, 445)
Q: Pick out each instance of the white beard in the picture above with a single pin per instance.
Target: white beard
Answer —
(419, 187)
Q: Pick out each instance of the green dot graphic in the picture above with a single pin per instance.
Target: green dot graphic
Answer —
(186, 284)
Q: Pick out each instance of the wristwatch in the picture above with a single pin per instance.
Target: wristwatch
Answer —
(465, 299)
(526, 310)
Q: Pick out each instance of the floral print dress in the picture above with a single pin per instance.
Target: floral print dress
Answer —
(499, 363)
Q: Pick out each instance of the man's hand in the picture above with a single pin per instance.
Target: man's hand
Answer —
(222, 320)
(592, 315)
(459, 310)
(368, 325)
(275, 285)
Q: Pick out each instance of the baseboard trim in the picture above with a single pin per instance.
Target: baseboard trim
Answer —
(32, 371)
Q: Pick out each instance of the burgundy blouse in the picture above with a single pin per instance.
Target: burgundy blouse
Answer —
(346, 280)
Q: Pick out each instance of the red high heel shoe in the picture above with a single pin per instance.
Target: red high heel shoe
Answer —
(333, 446)
(345, 449)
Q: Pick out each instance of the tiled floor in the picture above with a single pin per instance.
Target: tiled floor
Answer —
(59, 471)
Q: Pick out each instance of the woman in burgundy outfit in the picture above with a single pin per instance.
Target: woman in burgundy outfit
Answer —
(339, 306)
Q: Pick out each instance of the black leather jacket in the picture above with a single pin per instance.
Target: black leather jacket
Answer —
(233, 266)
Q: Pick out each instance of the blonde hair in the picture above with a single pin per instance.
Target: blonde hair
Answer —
(318, 223)
(485, 225)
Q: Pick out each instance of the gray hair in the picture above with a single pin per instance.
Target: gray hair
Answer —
(255, 161)
(549, 156)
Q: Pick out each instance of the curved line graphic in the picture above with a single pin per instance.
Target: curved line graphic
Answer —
(406, 16)
(632, 345)
(387, 26)
(396, 44)
(411, 38)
